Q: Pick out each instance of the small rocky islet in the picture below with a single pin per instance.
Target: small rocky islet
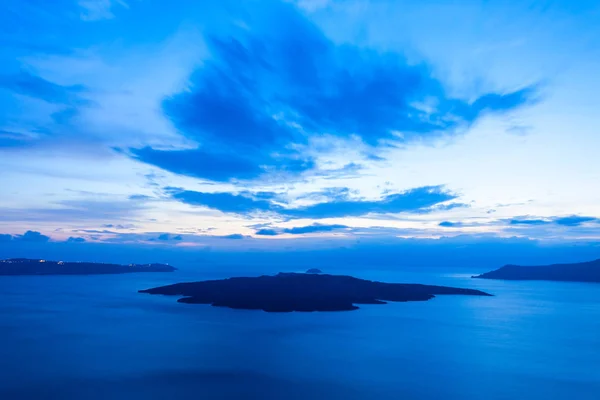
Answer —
(311, 291)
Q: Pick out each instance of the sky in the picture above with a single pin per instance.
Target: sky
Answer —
(303, 124)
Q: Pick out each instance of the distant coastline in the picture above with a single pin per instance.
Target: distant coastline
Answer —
(26, 266)
(574, 272)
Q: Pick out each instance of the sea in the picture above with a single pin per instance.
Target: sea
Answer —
(96, 337)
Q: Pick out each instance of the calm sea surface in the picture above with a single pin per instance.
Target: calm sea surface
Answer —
(95, 337)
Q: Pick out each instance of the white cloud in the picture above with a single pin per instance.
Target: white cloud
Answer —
(95, 10)
(312, 5)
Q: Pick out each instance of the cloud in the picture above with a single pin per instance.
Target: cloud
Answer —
(139, 197)
(14, 139)
(348, 170)
(119, 226)
(267, 232)
(214, 166)
(27, 84)
(315, 228)
(518, 221)
(300, 230)
(412, 200)
(574, 220)
(269, 85)
(262, 195)
(32, 236)
(225, 202)
(95, 10)
(332, 193)
(76, 240)
(449, 224)
(234, 236)
(312, 5)
(448, 207)
(5, 238)
(570, 221)
(75, 210)
(96, 231)
(168, 236)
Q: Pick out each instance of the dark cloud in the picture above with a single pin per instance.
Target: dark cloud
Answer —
(315, 228)
(412, 200)
(234, 236)
(225, 202)
(31, 236)
(75, 240)
(300, 230)
(246, 103)
(571, 221)
(5, 238)
(168, 236)
(96, 231)
(450, 224)
(139, 197)
(200, 164)
(119, 226)
(64, 116)
(267, 232)
(27, 84)
(518, 221)
(574, 220)
(13, 139)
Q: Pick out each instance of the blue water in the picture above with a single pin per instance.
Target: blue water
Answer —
(95, 337)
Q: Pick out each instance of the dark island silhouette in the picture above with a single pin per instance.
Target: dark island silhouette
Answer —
(287, 292)
(577, 272)
(25, 266)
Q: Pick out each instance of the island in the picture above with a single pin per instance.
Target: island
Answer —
(26, 266)
(314, 271)
(287, 292)
(576, 272)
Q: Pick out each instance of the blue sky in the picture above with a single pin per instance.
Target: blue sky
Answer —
(298, 124)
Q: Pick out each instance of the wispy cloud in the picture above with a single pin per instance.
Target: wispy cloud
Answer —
(413, 200)
(75, 211)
